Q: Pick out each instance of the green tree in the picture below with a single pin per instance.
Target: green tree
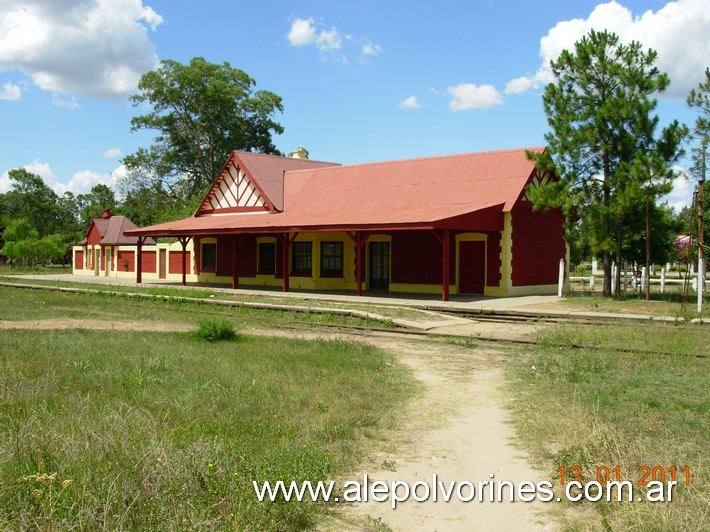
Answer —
(30, 198)
(23, 245)
(700, 136)
(201, 112)
(92, 204)
(599, 111)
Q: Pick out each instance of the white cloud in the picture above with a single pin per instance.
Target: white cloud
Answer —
(682, 193)
(67, 103)
(409, 103)
(112, 153)
(80, 183)
(10, 91)
(329, 40)
(306, 32)
(678, 32)
(370, 48)
(96, 48)
(303, 32)
(5, 182)
(467, 96)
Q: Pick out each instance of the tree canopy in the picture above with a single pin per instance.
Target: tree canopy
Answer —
(200, 113)
(603, 143)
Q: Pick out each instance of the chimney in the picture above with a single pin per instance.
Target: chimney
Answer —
(300, 153)
(106, 215)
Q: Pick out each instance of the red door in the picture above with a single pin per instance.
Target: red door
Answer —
(472, 267)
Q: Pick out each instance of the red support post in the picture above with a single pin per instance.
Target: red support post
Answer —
(360, 248)
(183, 241)
(139, 265)
(236, 242)
(285, 248)
(446, 245)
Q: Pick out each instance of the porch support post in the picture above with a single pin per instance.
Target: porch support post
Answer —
(359, 245)
(183, 242)
(236, 242)
(286, 240)
(446, 245)
(139, 265)
(359, 238)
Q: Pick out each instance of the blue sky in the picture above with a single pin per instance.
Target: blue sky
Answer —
(361, 81)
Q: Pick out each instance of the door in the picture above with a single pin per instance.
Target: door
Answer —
(162, 267)
(472, 267)
(379, 277)
(109, 260)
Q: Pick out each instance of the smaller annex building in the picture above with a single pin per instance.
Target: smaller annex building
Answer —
(107, 251)
(457, 224)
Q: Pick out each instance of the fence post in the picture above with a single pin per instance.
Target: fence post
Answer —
(613, 278)
(663, 281)
(644, 275)
(591, 283)
(701, 283)
(626, 279)
(561, 278)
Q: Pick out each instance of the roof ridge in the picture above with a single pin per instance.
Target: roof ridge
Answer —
(433, 157)
(272, 155)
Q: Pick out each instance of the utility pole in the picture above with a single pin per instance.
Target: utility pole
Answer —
(701, 230)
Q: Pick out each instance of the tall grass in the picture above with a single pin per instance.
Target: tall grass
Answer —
(160, 431)
(593, 408)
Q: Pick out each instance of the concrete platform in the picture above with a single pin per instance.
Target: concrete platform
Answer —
(428, 301)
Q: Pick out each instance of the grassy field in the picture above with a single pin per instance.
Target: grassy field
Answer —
(135, 430)
(594, 408)
(668, 304)
(23, 304)
(264, 296)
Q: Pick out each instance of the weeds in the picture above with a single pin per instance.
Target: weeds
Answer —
(215, 330)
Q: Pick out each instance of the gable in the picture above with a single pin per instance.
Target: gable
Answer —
(96, 231)
(233, 191)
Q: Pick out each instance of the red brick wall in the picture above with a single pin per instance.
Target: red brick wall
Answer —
(122, 257)
(416, 258)
(175, 262)
(148, 262)
(538, 245)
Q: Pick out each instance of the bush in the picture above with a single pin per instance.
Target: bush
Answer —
(215, 330)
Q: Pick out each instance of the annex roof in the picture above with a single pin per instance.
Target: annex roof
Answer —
(112, 231)
(427, 192)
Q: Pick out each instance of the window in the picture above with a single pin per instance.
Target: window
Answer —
(331, 259)
(302, 252)
(209, 257)
(267, 257)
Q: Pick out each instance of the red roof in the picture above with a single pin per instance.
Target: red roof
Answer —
(429, 192)
(112, 231)
(266, 172)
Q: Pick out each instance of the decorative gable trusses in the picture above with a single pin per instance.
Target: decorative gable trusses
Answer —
(234, 191)
(537, 179)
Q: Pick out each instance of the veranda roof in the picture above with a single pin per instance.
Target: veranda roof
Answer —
(455, 191)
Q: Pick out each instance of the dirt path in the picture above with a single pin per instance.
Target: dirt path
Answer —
(458, 429)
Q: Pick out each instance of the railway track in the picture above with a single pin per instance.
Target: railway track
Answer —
(361, 330)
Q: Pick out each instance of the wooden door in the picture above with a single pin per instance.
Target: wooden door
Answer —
(162, 268)
(379, 278)
(472, 267)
